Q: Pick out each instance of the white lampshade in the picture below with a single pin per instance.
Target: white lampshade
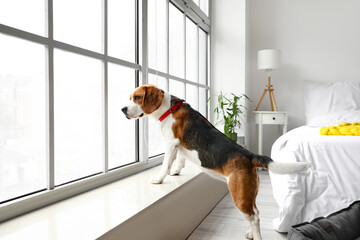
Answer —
(269, 59)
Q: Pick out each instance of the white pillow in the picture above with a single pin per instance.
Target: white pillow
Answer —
(326, 97)
(334, 118)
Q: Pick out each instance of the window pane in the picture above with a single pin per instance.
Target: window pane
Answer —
(202, 101)
(204, 6)
(121, 29)
(191, 51)
(78, 116)
(121, 131)
(202, 57)
(157, 35)
(176, 42)
(176, 88)
(79, 23)
(156, 144)
(157, 81)
(24, 14)
(22, 117)
(192, 96)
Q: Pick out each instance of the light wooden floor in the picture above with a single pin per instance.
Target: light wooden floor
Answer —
(225, 222)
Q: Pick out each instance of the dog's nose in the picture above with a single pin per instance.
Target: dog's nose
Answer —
(124, 110)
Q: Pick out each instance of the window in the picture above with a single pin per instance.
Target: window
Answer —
(122, 29)
(183, 71)
(202, 57)
(84, 31)
(77, 115)
(29, 17)
(22, 118)
(191, 51)
(157, 35)
(155, 143)
(176, 42)
(67, 69)
(121, 83)
(204, 5)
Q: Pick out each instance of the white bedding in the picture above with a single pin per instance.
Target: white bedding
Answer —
(330, 184)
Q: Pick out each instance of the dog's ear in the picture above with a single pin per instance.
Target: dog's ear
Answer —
(152, 99)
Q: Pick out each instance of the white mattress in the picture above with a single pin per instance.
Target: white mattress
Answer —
(330, 184)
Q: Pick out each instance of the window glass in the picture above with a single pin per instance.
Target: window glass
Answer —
(204, 6)
(121, 29)
(24, 14)
(203, 101)
(176, 88)
(22, 117)
(155, 143)
(78, 116)
(192, 96)
(157, 35)
(121, 131)
(176, 42)
(79, 23)
(191, 51)
(202, 57)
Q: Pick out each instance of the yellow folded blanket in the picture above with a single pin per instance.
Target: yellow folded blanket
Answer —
(342, 129)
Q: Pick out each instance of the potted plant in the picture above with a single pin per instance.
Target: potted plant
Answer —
(229, 111)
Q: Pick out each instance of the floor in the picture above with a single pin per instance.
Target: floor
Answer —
(226, 223)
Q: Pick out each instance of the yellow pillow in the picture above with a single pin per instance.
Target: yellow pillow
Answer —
(352, 129)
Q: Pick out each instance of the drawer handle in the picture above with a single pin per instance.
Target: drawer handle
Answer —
(273, 118)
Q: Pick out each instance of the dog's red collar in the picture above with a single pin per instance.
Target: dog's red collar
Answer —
(171, 110)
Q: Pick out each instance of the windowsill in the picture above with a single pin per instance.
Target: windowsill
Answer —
(91, 214)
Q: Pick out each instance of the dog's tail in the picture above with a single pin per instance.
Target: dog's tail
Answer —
(278, 167)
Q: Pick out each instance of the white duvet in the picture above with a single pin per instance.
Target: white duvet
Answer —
(331, 183)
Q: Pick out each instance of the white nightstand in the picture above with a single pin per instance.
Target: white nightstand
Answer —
(269, 118)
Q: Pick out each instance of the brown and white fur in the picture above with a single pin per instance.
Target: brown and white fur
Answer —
(188, 135)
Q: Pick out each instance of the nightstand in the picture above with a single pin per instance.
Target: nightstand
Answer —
(269, 118)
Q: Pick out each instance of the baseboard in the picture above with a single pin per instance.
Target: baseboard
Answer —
(174, 216)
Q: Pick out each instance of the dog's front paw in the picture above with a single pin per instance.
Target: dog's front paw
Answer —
(249, 234)
(156, 181)
(174, 172)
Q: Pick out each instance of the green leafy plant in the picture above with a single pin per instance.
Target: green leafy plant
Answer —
(230, 111)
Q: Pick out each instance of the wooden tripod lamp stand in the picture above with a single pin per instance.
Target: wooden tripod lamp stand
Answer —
(268, 60)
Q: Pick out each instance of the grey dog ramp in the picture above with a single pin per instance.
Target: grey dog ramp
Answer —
(341, 225)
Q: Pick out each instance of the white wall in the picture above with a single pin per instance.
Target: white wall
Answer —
(228, 49)
(319, 40)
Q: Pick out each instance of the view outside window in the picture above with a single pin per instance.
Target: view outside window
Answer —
(121, 131)
(121, 29)
(176, 42)
(203, 101)
(77, 115)
(30, 17)
(202, 57)
(78, 25)
(157, 32)
(155, 143)
(191, 51)
(22, 117)
(177, 89)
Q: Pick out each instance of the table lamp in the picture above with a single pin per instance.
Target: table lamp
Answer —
(268, 60)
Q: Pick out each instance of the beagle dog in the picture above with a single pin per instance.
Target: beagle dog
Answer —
(189, 135)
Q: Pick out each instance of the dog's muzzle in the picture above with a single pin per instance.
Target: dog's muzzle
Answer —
(125, 111)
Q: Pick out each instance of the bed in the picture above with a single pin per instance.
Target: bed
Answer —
(333, 180)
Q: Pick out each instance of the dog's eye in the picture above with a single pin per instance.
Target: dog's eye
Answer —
(137, 98)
